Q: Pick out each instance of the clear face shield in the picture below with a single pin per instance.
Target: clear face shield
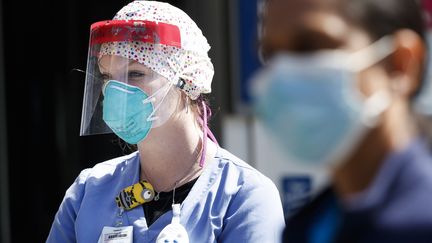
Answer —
(121, 94)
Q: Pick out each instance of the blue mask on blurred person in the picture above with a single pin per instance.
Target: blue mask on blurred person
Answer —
(127, 111)
(311, 103)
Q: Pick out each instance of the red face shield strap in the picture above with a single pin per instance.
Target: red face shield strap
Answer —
(136, 30)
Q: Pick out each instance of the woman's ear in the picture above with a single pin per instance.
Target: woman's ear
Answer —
(407, 63)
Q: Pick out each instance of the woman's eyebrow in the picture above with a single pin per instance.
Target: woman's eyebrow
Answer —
(133, 62)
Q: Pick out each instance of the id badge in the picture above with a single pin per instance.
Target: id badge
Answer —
(116, 235)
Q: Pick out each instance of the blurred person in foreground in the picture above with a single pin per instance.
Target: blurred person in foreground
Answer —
(337, 91)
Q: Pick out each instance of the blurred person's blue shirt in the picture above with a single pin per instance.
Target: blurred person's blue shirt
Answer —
(230, 202)
(397, 207)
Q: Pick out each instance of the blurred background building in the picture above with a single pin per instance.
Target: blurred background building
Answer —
(41, 153)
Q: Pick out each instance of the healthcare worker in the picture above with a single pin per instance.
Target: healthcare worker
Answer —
(147, 71)
(338, 93)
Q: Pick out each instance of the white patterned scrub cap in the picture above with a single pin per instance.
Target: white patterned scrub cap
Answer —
(188, 62)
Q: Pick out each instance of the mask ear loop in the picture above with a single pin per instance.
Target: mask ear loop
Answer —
(375, 106)
(152, 99)
(365, 58)
(372, 54)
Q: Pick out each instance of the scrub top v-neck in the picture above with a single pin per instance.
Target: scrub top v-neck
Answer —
(159, 206)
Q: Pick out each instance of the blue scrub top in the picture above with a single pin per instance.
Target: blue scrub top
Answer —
(395, 208)
(230, 202)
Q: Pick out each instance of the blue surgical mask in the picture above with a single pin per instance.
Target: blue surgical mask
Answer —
(127, 111)
(311, 104)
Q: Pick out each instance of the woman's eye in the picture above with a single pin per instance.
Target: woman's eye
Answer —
(135, 74)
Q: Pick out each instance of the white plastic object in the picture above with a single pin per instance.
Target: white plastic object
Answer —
(174, 232)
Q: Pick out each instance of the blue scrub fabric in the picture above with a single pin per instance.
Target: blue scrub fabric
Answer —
(395, 208)
(230, 202)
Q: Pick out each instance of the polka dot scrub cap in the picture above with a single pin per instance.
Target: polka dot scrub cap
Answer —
(183, 62)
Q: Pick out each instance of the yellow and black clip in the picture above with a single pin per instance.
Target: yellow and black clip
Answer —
(135, 195)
